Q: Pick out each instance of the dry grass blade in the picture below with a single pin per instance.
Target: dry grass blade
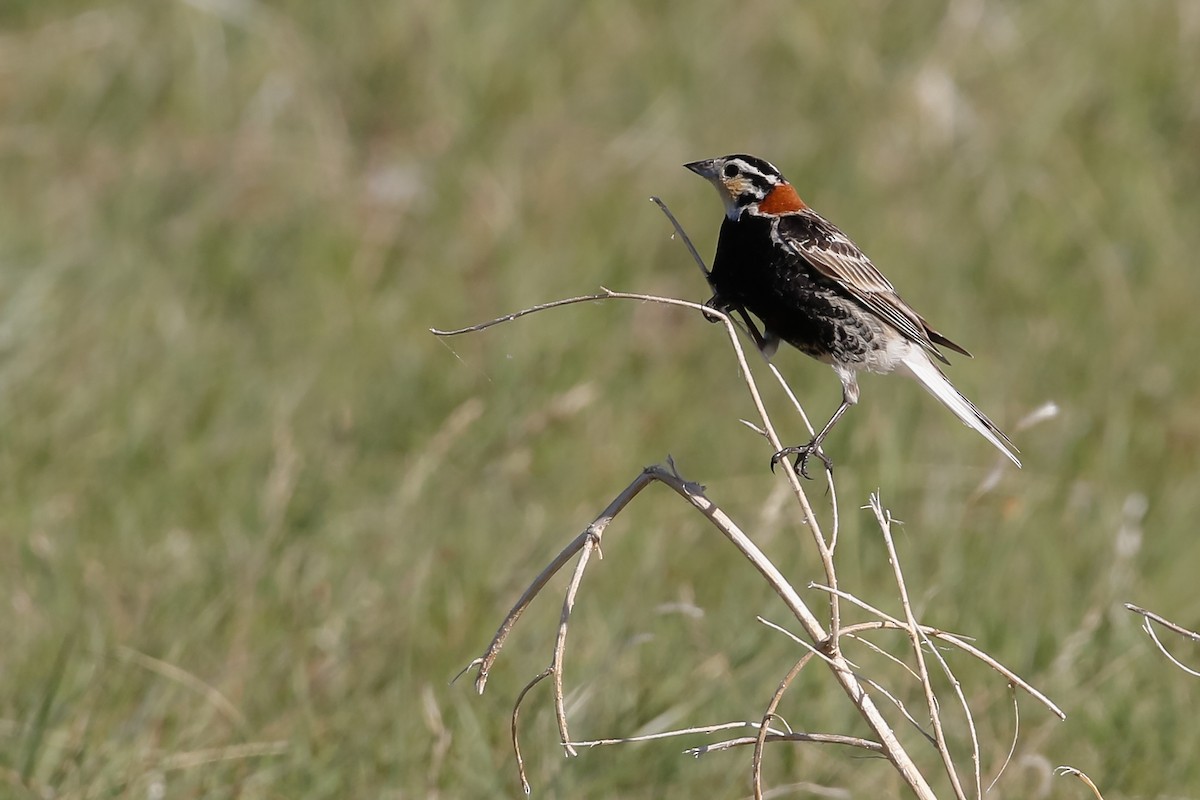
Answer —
(185, 678)
(1082, 776)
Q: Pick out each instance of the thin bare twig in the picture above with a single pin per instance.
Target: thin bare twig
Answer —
(795, 736)
(872, 646)
(842, 671)
(966, 707)
(903, 709)
(516, 743)
(1012, 690)
(813, 650)
(1148, 620)
(884, 519)
(1166, 623)
(760, 741)
(1147, 623)
(687, 240)
(566, 301)
(824, 547)
(649, 737)
(560, 641)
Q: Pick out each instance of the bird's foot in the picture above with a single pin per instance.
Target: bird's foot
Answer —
(720, 304)
(802, 453)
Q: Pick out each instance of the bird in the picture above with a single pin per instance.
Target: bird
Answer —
(814, 289)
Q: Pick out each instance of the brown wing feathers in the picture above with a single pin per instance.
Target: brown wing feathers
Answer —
(831, 253)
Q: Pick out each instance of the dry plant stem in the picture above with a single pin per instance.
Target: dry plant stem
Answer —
(687, 240)
(815, 651)
(1149, 618)
(794, 736)
(516, 743)
(588, 539)
(1012, 690)
(560, 643)
(809, 516)
(812, 626)
(842, 671)
(867, 643)
(1162, 648)
(958, 691)
(850, 631)
(888, 622)
(903, 709)
(650, 737)
(914, 631)
(1166, 623)
(824, 547)
(966, 707)
(892, 747)
(771, 735)
(1083, 778)
(760, 741)
(833, 503)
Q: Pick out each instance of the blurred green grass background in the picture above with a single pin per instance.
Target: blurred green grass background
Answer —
(255, 517)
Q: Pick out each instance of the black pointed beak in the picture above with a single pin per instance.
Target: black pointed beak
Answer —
(705, 169)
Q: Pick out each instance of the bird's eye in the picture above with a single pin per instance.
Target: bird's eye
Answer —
(731, 171)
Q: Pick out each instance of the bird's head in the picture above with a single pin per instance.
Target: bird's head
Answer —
(745, 182)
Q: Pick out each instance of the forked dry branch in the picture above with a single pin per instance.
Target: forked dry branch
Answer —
(822, 639)
(1149, 618)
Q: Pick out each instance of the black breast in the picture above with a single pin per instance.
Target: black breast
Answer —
(794, 301)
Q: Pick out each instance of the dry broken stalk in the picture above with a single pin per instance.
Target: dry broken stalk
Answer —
(591, 537)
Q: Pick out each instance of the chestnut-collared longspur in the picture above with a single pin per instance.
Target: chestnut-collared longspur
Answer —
(814, 289)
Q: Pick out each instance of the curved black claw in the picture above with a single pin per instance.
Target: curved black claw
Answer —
(803, 453)
(718, 303)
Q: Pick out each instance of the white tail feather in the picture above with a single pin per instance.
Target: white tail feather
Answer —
(919, 365)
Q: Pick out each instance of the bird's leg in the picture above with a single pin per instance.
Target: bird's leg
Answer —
(804, 452)
(813, 448)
